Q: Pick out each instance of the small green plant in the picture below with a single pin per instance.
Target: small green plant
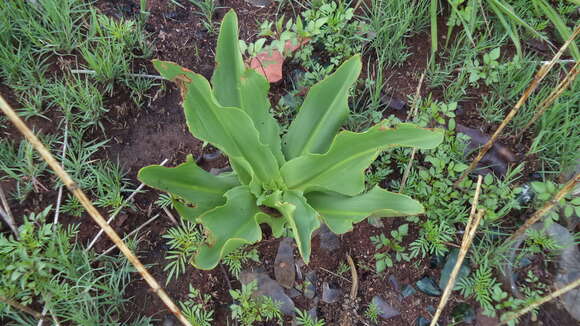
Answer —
(388, 246)
(207, 9)
(372, 313)
(248, 309)
(342, 268)
(196, 308)
(545, 191)
(235, 260)
(303, 318)
(184, 241)
(480, 285)
(488, 70)
(312, 175)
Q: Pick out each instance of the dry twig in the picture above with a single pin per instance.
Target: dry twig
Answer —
(114, 215)
(541, 301)
(20, 307)
(533, 85)
(93, 212)
(546, 208)
(470, 229)
(560, 88)
(6, 213)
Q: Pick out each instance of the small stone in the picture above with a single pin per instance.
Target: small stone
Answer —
(330, 295)
(284, 269)
(293, 293)
(422, 321)
(269, 288)
(393, 102)
(436, 261)
(386, 311)
(431, 309)
(428, 286)
(212, 156)
(408, 290)
(448, 268)
(463, 313)
(169, 320)
(526, 195)
(394, 283)
(328, 240)
(310, 287)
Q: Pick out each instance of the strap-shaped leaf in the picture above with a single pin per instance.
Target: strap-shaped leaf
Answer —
(232, 225)
(324, 110)
(340, 212)
(300, 217)
(200, 190)
(341, 169)
(228, 128)
(237, 86)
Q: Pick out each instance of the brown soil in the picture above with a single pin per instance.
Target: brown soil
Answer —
(149, 135)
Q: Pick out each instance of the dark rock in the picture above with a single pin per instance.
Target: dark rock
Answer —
(408, 290)
(431, 309)
(270, 288)
(463, 313)
(393, 102)
(169, 320)
(394, 283)
(436, 261)
(422, 321)
(330, 295)
(448, 268)
(328, 240)
(526, 195)
(386, 311)
(211, 156)
(284, 269)
(293, 293)
(496, 159)
(428, 286)
(310, 287)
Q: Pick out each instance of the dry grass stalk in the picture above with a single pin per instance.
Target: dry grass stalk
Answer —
(412, 114)
(6, 213)
(546, 208)
(114, 215)
(533, 85)
(20, 307)
(130, 234)
(354, 276)
(468, 236)
(572, 74)
(93, 212)
(541, 301)
(63, 156)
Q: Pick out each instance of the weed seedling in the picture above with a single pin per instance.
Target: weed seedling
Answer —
(388, 247)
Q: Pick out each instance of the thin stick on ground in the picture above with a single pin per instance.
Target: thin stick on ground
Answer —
(562, 86)
(20, 307)
(170, 216)
(541, 301)
(130, 234)
(92, 72)
(63, 156)
(93, 212)
(468, 236)
(354, 276)
(114, 215)
(6, 213)
(533, 85)
(546, 208)
(412, 114)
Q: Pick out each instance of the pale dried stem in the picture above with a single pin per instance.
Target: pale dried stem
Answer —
(92, 72)
(541, 301)
(354, 276)
(468, 236)
(412, 114)
(93, 212)
(6, 213)
(130, 234)
(114, 215)
(533, 85)
(572, 74)
(63, 156)
(546, 208)
(170, 216)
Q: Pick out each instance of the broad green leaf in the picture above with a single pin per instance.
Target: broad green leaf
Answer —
(340, 212)
(324, 110)
(230, 226)
(200, 190)
(341, 169)
(237, 86)
(300, 217)
(228, 128)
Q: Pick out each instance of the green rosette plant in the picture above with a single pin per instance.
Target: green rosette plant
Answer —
(313, 174)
